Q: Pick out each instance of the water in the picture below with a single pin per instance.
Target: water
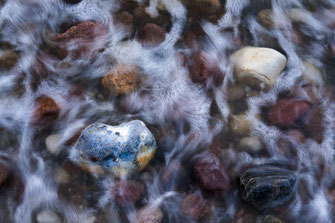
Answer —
(185, 117)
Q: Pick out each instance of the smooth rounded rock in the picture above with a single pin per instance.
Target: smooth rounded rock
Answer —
(287, 111)
(312, 74)
(127, 192)
(250, 144)
(46, 111)
(8, 59)
(315, 126)
(265, 17)
(239, 125)
(266, 186)
(235, 92)
(258, 66)
(151, 34)
(195, 206)
(123, 149)
(4, 174)
(149, 214)
(52, 143)
(48, 216)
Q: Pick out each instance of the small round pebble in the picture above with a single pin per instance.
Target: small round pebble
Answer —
(48, 216)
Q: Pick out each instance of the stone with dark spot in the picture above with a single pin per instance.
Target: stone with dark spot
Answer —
(210, 173)
(287, 111)
(151, 34)
(195, 206)
(127, 192)
(267, 186)
(46, 111)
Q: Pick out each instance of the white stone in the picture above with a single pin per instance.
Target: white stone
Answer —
(48, 216)
(52, 143)
(250, 144)
(61, 176)
(239, 124)
(312, 74)
(258, 66)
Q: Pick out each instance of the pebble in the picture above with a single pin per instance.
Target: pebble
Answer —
(210, 173)
(265, 18)
(149, 214)
(4, 174)
(151, 34)
(287, 111)
(48, 216)
(312, 74)
(8, 59)
(123, 149)
(46, 111)
(72, 1)
(61, 176)
(127, 192)
(122, 79)
(52, 143)
(125, 20)
(235, 92)
(258, 66)
(239, 125)
(314, 123)
(195, 206)
(250, 144)
(266, 186)
(268, 219)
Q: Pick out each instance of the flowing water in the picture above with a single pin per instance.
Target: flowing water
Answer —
(186, 117)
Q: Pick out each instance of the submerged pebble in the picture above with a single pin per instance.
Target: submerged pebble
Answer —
(123, 149)
(195, 206)
(149, 214)
(48, 216)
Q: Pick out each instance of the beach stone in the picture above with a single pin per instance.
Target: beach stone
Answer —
(8, 59)
(125, 20)
(239, 125)
(48, 216)
(235, 92)
(268, 219)
(46, 111)
(195, 206)
(52, 143)
(265, 18)
(257, 66)
(287, 111)
(312, 74)
(127, 192)
(210, 173)
(266, 186)
(250, 144)
(314, 123)
(4, 174)
(149, 214)
(122, 79)
(83, 31)
(151, 34)
(123, 149)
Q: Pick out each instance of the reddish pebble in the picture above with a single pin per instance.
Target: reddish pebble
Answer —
(46, 110)
(151, 34)
(4, 173)
(125, 20)
(195, 206)
(287, 111)
(210, 173)
(127, 192)
(296, 135)
(314, 123)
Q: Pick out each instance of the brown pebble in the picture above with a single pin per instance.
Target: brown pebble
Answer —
(149, 214)
(315, 124)
(4, 173)
(195, 206)
(46, 110)
(121, 80)
(151, 34)
(127, 192)
(125, 20)
(84, 31)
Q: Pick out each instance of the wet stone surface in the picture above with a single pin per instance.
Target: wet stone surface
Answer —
(266, 186)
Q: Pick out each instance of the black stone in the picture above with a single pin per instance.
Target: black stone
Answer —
(266, 186)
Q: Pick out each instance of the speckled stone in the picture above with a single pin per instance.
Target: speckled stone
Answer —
(122, 149)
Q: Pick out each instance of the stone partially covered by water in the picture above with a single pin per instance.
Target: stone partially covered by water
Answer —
(122, 149)
(266, 186)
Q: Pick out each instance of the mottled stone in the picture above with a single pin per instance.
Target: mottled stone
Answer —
(122, 79)
(266, 186)
(210, 173)
(151, 34)
(83, 31)
(265, 18)
(149, 214)
(258, 67)
(8, 59)
(122, 149)
(195, 206)
(287, 111)
(127, 192)
(46, 111)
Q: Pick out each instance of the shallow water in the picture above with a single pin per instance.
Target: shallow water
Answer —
(185, 116)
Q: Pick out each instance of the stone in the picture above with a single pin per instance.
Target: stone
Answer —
(123, 149)
(266, 186)
(127, 192)
(314, 123)
(287, 111)
(122, 79)
(46, 111)
(210, 173)
(257, 66)
(250, 144)
(296, 135)
(195, 206)
(235, 92)
(4, 174)
(265, 18)
(202, 68)
(61, 176)
(299, 15)
(312, 74)
(149, 214)
(239, 125)
(48, 216)
(72, 1)
(151, 34)
(8, 59)
(125, 20)
(52, 143)
(174, 176)
(268, 219)
(83, 31)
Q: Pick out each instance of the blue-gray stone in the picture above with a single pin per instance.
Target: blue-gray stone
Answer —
(122, 149)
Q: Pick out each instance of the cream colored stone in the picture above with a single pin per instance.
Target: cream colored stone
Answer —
(61, 176)
(239, 124)
(250, 144)
(258, 66)
(299, 15)
(149, 214)
(312, 74)
(52, 143)
(48, 216)
(235, 92)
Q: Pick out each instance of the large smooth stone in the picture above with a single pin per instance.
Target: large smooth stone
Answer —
(258, 67)
(267, 186)
(122, 149)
